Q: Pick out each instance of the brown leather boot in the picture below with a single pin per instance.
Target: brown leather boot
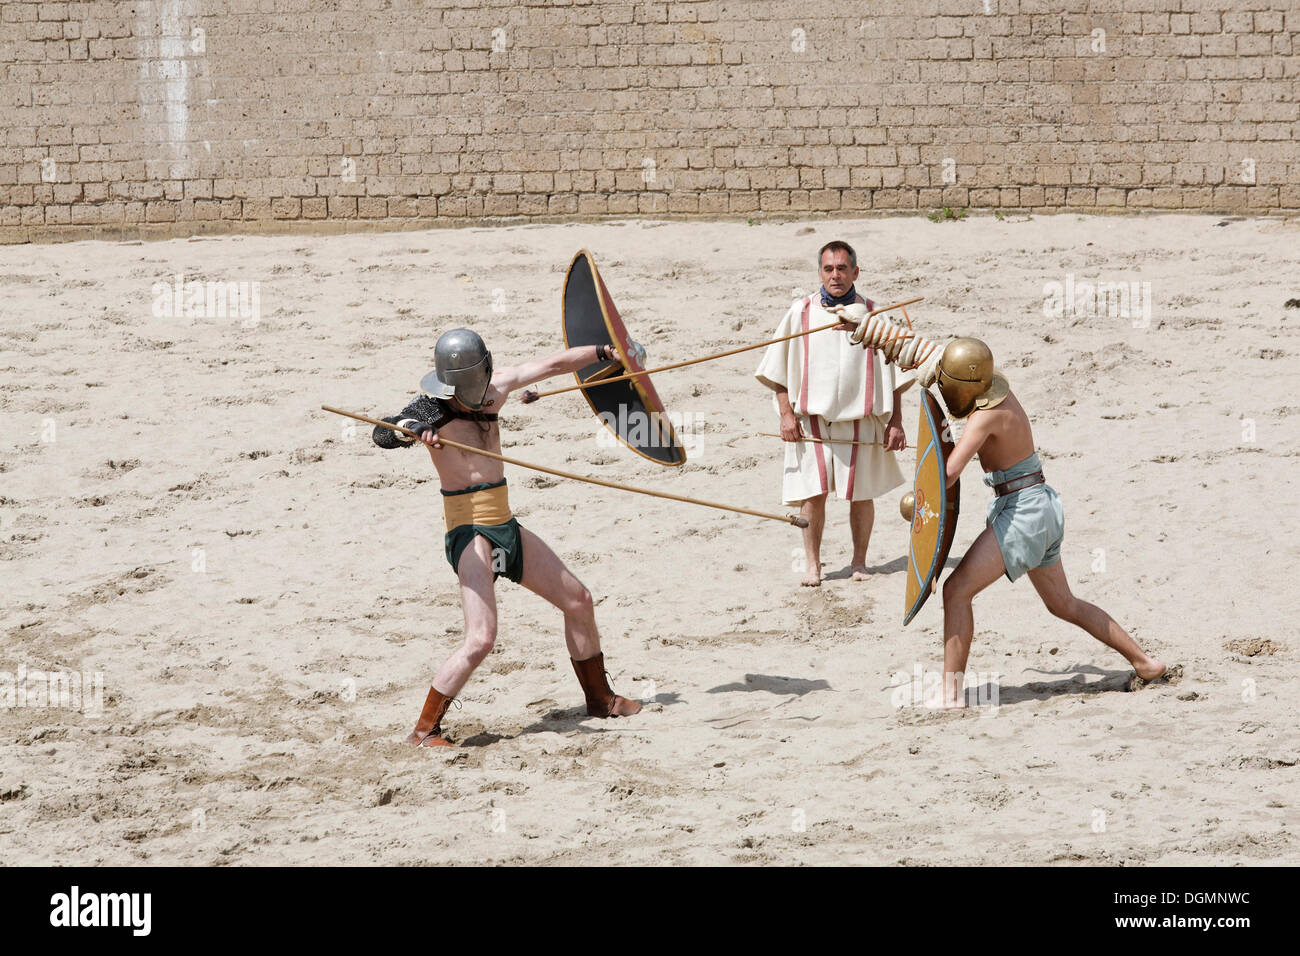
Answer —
(428, 729)
(601, 699)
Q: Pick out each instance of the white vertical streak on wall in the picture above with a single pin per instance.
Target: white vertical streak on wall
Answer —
(163, 29)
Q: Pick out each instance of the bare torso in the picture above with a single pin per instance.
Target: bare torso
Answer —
(459, 469)
(1000, 437)
(1010, 439)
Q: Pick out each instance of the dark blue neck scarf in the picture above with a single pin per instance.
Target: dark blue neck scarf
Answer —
(847, 298)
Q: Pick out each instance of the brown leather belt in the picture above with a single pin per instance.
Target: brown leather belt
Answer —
(1019, 484)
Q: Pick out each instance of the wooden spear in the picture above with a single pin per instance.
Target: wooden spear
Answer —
(530, 396)
(796, 520)
(829, 441)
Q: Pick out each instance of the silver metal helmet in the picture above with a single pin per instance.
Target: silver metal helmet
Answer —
(462, 367)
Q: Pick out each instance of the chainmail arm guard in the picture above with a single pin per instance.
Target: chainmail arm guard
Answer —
(422, 408)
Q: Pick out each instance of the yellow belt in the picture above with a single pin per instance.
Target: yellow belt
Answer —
(484, 506)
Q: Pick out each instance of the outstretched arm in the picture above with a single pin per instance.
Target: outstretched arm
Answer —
(570, 360)
(972, 439)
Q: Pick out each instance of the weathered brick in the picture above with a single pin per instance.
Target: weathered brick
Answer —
(286, 208)
(735, 119)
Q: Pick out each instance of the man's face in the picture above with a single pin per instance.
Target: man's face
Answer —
(837, 273)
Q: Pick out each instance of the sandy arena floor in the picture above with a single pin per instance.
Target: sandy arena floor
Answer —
(266, 596)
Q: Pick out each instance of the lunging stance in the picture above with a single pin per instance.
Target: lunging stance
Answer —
(463, 397)
(1025, 523)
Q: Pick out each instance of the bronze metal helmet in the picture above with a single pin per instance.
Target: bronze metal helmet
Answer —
(968, 379)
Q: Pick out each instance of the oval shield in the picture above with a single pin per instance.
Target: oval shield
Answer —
(631, 409)
(934, 509)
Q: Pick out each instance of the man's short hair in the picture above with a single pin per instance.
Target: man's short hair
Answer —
(835, 245)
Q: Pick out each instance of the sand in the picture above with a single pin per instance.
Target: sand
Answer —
(266, 598)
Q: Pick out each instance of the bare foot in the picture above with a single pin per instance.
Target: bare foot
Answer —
(860, 572)
(953, 701)
(1150, 670)
(1156, 674)
(813, 579)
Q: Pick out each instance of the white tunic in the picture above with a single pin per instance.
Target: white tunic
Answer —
(825, 373)
(839, 390)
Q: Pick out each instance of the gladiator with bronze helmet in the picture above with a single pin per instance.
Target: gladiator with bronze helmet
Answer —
(1025, 523)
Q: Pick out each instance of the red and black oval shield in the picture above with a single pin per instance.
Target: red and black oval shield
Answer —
(631, 409)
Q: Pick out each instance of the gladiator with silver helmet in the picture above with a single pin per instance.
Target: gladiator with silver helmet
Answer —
(484, 540)
(462, 368)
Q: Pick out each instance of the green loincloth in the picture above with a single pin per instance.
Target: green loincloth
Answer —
(507, 547)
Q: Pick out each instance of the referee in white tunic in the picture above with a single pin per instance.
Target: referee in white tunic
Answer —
(828, 388)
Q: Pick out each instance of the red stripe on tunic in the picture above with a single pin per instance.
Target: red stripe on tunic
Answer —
(853, 459)
(871, 375)
(820, 452)
(819, 448)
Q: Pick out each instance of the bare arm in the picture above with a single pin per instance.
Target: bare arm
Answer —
(529, 373)
(898, 400)
(790, 430)
(972, 439)
(895, 437)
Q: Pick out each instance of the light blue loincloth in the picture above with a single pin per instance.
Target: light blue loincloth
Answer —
(1029, 524)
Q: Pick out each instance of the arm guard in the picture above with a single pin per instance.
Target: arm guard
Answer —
(901, 346)
(422, 408)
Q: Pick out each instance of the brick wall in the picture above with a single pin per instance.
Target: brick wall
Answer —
(184, 116)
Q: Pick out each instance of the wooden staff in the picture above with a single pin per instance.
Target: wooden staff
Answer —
(603, 374)
(795, 520)
(534, 396)
(829, 441)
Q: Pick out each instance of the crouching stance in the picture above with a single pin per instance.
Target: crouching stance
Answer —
(463, 396)
(1025, 521)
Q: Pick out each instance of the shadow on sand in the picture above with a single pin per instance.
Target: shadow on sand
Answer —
(1073, 681)
(564, 721)
(890, 567)
(773, 684)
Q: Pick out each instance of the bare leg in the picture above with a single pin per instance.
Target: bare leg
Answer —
(1054, 589)
(814, 511)
(981, 566)
(862, 515)
(546, 576)
(479, 603)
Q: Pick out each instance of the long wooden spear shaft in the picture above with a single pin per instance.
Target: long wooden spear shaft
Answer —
(795, 520)
(829, 441)
(534, 396)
